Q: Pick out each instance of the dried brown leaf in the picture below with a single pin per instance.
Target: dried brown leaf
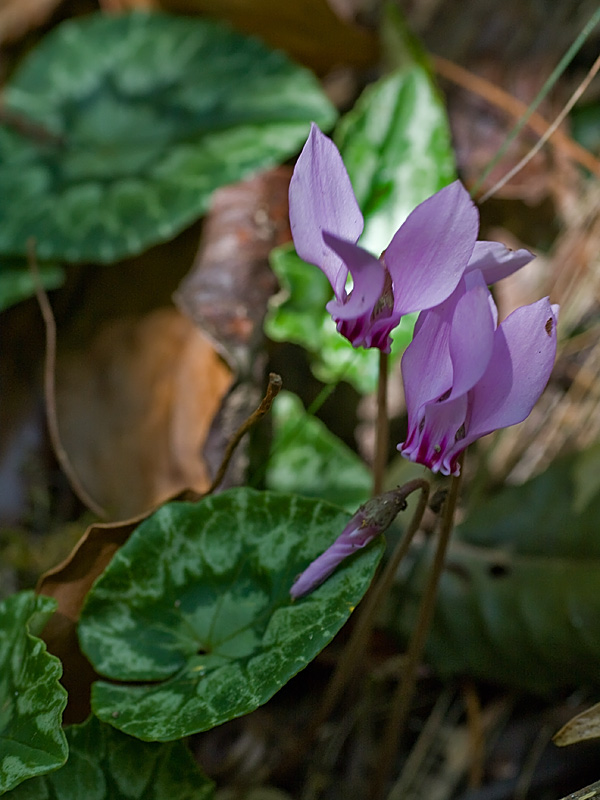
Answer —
(134, 411)
(227, 290)
(308, 30)
(584, 726)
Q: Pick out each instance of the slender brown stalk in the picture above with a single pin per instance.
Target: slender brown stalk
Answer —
(50, 388)
(402, 700)
(381, 426)
(351, 659)
(273, 389)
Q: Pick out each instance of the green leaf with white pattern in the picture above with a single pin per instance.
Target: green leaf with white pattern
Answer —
(196, 605)
(521, 585)
(16, 281)
(307, 458)
(127, 123)
(105, 764)
(31, 698)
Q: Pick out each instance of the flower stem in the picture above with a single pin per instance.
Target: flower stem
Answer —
(359, 639)
(381, 426)
(401, 702)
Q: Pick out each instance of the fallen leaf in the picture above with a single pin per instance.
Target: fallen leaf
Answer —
(308, 30)
(227, 292)
(134, 410)
(584, 726)
(18, 17)
(68, 583)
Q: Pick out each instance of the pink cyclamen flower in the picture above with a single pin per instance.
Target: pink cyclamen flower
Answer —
(466, 376)
(420, 267)
(371, 519)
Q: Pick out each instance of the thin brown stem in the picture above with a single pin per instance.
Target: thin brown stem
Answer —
(350, 659)
(50, 388)
(381, 426)
(273, 389)
(402, 700)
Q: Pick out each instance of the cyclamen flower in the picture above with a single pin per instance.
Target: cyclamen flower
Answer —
(371, 519)
(419, 269)
(466, 376)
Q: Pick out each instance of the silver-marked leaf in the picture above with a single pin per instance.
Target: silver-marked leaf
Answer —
(196, 605)
(307, 458)
(123, 126)
(31, 698)
(518, 603)
(105, 764)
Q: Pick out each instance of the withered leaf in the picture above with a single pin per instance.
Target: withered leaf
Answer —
(134, 411)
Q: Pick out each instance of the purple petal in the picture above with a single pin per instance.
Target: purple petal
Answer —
(322, 199)
(431, 441)
(519, 369)
(429, 253)
(497, 261)
(426, 364)
(367, 273)
(471, 334)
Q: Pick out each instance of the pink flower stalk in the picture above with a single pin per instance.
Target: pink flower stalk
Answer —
(466, 376)
(420, 267)
(371, 519)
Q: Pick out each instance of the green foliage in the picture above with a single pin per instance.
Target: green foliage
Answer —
(197, 605)
(131, 121)
(519, 601)
(308, 459)
(396, 146)
(104, 764)
(31, 698)
(16, 282)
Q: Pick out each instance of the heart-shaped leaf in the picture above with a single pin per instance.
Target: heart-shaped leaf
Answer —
(196, 604)
(31, 698)
(123, 126)
(104, 764)
(519, 602)
(307, 458)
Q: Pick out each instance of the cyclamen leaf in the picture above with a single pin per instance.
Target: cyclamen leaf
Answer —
(31, 698)
(197, 603)
(307, 458)
(129, 122)
(104, 764)
(520, 588)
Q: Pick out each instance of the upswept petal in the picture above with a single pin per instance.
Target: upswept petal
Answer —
(426, 365)
(429, 253)
(497, 261)
(471, 334)
(518, 371)
(322, 199)
(368, 275)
